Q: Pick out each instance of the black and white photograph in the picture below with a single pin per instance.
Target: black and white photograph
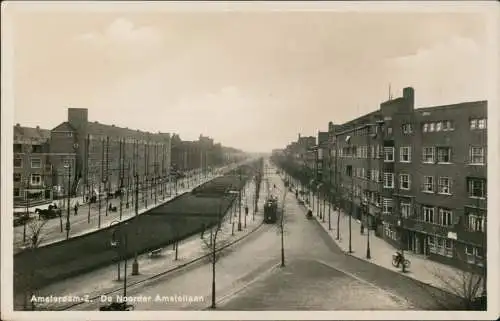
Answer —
(240, 160)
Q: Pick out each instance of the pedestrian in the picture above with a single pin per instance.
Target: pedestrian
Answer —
(202, 230)
(75, 208)
(246, 210)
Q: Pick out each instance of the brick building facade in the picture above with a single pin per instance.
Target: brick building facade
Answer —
(417, 177)
(100, 157)
(32, 168)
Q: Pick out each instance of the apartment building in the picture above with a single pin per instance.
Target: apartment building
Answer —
(201, 154)
(98, 157)
(417, 177)
(32, 168)
(442, 168)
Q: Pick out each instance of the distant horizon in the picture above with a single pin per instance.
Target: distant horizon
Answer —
(258, 152)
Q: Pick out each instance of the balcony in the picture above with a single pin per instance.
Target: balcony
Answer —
(425, 227)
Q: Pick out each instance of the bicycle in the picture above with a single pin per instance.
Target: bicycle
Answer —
(396, 261)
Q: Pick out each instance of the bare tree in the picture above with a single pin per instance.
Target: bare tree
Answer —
(34, 239)
(465, 282)
(213, 245)
(177, 224)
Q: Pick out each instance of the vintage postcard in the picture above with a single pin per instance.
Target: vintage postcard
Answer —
(249, 160)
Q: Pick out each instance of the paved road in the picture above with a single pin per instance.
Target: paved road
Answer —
(319, 275)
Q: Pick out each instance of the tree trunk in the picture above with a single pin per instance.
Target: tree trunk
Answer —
(282, 247)
(213, 276)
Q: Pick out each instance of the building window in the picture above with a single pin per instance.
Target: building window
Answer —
(477, 155)
(404, 181)
(389, 130)
(439, 126)
(444, 185)
(17, 177)
(432, 127)
(405, 154)
(447, 125)
(390, 232)
(36, 148)
(440, 246)
(364, 152)
(476, 187)
(36, 179)
(387, 206)
(445, 217)
(428, 184)
(407, 128)
(18, 162)
(425, 128)
(443, 154)
(36, 163)
(349, 170)
(405, 209)
(428, 214)
(481, 123)
(388, 180)
(18, 148)
(428, 155)
(478, 123)
(474, 255)
(388, 154)
(17, 192)
(475, 223)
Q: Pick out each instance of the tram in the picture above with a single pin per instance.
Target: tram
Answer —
(270, 210)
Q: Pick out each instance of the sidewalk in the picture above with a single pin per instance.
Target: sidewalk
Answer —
(81, 226)
(442, 276)
(105, 280)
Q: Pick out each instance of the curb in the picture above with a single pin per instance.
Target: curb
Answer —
(399, 272)
(179, 267)
(244, 287)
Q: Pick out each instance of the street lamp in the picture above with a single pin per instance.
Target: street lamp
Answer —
(239, 204)
(135, 264)
(120, 242)
(348, 141)
(118, 253)
(68, 227)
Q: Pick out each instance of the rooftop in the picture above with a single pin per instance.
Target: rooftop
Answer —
(35, 134)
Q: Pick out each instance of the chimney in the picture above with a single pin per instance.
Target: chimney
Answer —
(18, 125)
(409, 96)
(37, 127)
(78, 118)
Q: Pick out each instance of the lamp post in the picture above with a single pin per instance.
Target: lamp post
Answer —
(239, 204)
(135, 264)
(68, 227)
(372, 135)
(118, 254)
(120, 242)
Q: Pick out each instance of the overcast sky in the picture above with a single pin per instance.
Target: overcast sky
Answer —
(251, 80)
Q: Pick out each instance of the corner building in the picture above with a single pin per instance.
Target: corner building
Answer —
(418, 176)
